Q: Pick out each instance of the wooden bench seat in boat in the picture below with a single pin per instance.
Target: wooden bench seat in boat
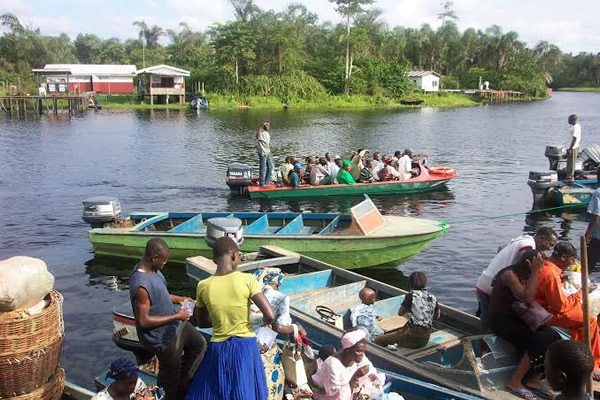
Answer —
(296, 227)
(261, 226)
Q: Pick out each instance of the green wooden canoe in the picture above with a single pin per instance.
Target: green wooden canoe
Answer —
(326, 237)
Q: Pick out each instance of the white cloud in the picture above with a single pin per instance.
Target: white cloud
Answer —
(571, 28)
(16, 7)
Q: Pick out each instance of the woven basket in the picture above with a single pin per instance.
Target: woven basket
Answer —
(27, 371)
(30, 348)
(51, 390)
(25, 333)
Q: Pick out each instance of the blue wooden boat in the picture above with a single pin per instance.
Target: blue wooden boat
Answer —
(456, 357)
(576, 193)
(199, 103)
(409, 387)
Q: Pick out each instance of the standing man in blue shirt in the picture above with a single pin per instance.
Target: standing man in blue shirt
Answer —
(178, 346)
(592, 234)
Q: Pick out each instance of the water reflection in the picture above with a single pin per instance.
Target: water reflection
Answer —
(114, 274)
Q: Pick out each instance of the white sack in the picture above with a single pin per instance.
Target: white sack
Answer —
(24, 282)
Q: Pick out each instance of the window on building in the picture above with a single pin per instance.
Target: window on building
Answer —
(434, 83)
(166, 82)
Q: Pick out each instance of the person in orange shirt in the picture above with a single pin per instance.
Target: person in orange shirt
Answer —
(567, 310)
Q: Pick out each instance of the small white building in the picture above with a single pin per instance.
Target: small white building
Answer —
(427, 81)
(164, 80)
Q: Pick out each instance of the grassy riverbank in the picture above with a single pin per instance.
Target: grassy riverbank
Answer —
(223, 102)
(579, 89)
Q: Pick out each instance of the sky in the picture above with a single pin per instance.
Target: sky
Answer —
(571, 25)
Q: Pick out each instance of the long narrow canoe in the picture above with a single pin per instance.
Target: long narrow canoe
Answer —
(429, 179)
(327, 237)
(456, 357)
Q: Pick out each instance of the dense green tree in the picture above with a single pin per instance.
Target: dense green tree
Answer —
(349, 9)
(262, 51)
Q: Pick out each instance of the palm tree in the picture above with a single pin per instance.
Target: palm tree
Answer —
(244, 9)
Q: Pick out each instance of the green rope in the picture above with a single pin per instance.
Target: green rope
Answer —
(445, 224)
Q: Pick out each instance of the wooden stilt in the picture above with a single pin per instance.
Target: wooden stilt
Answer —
(586, 304)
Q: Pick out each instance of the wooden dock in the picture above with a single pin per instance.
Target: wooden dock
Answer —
(20, 105)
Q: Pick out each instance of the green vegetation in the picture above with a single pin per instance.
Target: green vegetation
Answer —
(579, 89)
(265, 57)
(229, 102)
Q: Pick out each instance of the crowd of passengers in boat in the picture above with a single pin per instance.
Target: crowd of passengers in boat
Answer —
(327, 170)
(530, 295)
(243, 360)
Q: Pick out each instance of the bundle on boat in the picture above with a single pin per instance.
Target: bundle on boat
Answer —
(31, 331)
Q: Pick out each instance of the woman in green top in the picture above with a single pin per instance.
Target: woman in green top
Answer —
(344, 177)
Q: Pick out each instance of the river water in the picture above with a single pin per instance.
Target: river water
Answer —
(176, 161)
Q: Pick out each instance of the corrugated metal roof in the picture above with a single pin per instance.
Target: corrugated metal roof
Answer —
(92, 69)
(163, 69)
(416, 74)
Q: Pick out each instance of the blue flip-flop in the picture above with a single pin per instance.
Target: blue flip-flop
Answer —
(543, 393)
(522, 393)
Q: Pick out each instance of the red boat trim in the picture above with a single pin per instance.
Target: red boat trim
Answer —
(127, 321)
(426, 175)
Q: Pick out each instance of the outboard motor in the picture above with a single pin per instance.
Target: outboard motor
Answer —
(239, 177)
(540, 182)
(555, 155)
(219, 227)
(101, 210)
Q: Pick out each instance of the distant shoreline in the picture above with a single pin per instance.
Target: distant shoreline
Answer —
(339, 102)
(578, 89)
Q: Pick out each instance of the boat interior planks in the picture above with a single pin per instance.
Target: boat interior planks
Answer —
(456, 356)
(351, 241)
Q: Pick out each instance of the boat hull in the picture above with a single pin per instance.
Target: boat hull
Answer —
(345, 252)
(425, 182)
(305, 291)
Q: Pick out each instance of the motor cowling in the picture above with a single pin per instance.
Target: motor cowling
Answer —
(239, 177)
(219, 227)
(101, 210)
(540, 182)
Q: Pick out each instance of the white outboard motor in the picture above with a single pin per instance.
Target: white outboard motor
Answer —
(239, 177)
(540, 182)
(219, 227)
(101, 210)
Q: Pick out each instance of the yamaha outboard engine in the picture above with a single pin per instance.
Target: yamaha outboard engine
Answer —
(219, 227)
(101, 210)
(239, 177)
(555, 155)
(540, 182)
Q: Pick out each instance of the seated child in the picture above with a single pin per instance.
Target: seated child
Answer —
(363, 315)
(325, 352)
(568, 366)
(421, 308)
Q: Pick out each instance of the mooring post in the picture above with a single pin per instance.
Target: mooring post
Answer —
(9, 106)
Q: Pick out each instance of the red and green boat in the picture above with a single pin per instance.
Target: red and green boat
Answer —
(429, 179)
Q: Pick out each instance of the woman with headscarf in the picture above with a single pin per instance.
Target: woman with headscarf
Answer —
(124, 372)
(347, 369)
(272, 278)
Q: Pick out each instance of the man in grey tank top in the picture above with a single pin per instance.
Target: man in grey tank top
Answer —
(177, 345)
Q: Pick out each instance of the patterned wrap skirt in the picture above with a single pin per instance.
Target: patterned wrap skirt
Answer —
(274, 374)
(231, 370)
